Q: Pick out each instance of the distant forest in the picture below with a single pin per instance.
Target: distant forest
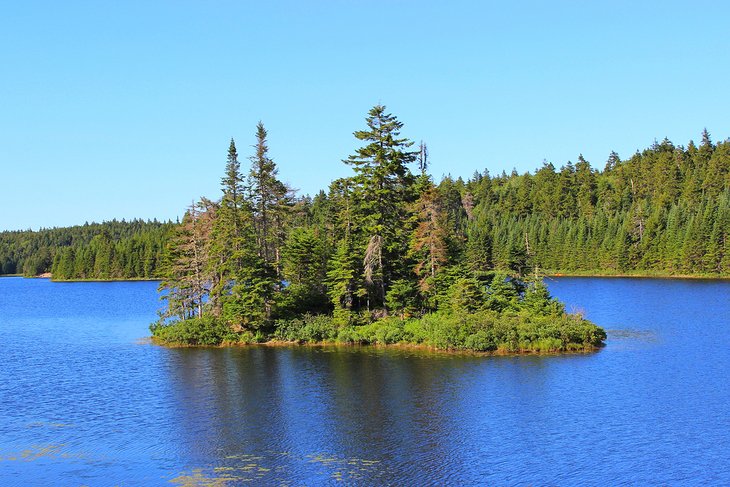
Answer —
(109, 250)
(664, 210)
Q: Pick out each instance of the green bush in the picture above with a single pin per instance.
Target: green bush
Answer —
(489, 330)
(307, 329)
(383, 332)
(485, 330)
(481, 341)
(205, 331)
(349, 336)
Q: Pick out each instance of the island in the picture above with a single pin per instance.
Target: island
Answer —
(385, 258)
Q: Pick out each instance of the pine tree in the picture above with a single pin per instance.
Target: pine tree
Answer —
(270, 201)
(231, 233)
(187, 282)
(304, 266)
(428, 241)
(381, 189)
(341, 280)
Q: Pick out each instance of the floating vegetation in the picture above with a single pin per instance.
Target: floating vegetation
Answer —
(248, 468)
(37, 452)
(199, 479)
(345, 468)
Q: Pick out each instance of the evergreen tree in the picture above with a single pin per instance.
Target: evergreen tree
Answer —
(341, 277)
(381, 188)
(270, 201)
(187, 283)
(428, 242)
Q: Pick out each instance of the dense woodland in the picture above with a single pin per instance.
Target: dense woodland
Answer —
(372, 260)
(109, 250)
(664, 211)
(386, 238)
(389, 241)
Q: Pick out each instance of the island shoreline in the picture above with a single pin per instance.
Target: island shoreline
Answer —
(403, 347)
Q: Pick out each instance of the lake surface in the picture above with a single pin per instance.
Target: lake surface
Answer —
(85, 401)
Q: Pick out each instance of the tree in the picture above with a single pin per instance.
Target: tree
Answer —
(466, 295)
(231, 232)
(537, 299)
(270, 200)
(503, 293)
(304, 259)
(586, 182)
(341, 280)
(428, 241)
(187, 282)
(381, 189)
(479, 248)
(402, 298)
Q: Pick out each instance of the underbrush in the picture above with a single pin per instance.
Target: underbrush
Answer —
(481, 331)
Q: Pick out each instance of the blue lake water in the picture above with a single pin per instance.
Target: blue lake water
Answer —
(85, 401)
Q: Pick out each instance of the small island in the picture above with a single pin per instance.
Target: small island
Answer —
(383, 258)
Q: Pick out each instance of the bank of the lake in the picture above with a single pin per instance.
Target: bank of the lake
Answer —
(637, 274)
(594, 273)
(131, 279)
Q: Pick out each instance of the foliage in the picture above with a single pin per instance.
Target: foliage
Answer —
(384, 256)
(109, 250)
(203, 331)
(402, 298)
(483, 331)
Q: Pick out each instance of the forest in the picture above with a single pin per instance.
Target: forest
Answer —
(108, 250)
(385, 256)
(378, 254)
(663, 211)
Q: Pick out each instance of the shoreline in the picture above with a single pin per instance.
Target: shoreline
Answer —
(50, 278)
(698, 277)
(402, 347)
(129, 279)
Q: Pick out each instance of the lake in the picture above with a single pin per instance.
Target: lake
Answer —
(84, 400)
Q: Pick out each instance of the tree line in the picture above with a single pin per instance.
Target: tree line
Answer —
(384, 243)
(664, 210)
(109, 250)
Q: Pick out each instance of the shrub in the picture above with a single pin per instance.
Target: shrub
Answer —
(206, 330)
(480, 341)
(384, 332)
(308, 329)
(484, 330)
(348, 336)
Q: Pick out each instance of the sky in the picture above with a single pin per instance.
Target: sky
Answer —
(126, 109)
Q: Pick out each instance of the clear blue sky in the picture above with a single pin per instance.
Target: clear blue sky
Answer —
(125, 109)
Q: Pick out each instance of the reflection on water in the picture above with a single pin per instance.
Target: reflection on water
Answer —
(301, 407)
(84, 401)
(645, 335)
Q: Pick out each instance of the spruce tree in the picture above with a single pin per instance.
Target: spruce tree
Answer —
(381, 190)
(270, 201)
